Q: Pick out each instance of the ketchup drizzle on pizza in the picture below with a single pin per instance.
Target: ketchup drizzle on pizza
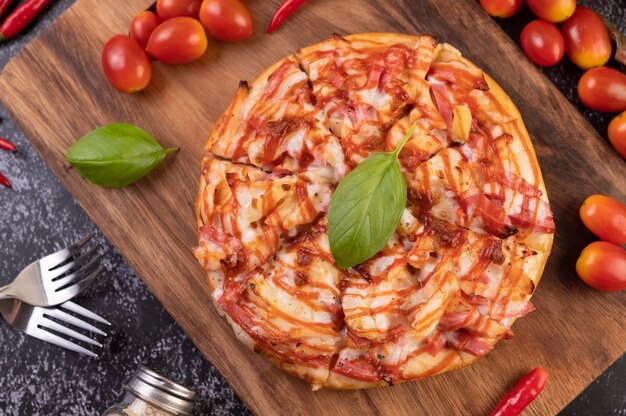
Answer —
(468, 252)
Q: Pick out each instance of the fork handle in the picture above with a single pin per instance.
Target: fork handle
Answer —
(5, 292)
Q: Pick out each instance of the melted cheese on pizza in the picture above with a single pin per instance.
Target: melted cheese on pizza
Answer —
(469, 250)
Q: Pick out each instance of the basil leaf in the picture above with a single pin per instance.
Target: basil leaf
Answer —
(366, 207)
(116, 155)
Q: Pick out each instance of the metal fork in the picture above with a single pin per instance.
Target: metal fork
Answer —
(56, 278)
(36, 322)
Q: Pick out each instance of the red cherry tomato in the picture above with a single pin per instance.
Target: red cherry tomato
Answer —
(617, 134)
(178, 40)
(605, 217)
(226, 20)
(501, 8)
(587, 40)
(142, 27)
(125, 64)
(602, 266)
(166, 9)
(542, 43)
(603, 89)
(554, 11)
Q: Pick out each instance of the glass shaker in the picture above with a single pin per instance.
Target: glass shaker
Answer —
(152, 394)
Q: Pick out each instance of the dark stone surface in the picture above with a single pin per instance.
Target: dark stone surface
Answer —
(39, 216)
(38, 379)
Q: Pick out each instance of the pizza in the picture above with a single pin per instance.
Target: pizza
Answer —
(465, 258)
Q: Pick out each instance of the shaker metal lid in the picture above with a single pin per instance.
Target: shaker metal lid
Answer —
(157, 389)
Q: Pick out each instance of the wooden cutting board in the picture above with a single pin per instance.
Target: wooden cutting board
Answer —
(56, 91)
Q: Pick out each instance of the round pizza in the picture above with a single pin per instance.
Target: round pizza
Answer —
(470, 246)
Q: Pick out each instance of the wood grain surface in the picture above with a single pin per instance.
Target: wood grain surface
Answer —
(56, 91)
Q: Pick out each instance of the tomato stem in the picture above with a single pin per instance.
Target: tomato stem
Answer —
(620, 41)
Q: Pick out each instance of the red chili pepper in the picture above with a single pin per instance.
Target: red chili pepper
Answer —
(21, 17)
(522, 394)
(4, 181)
(284, 11)
(4, 5)
(7, 145)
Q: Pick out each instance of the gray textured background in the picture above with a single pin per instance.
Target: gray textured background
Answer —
(39, 216)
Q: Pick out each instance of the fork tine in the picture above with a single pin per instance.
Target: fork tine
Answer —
(60, 270)
(79, 244)
(50, 324)
(56, 259)
(65, 280)
(66, 317)
(73, 307)
(44, 335)
(77, 287)
(56, 272)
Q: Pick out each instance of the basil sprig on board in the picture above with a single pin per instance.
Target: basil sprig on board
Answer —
(116, 155)
(366, 207)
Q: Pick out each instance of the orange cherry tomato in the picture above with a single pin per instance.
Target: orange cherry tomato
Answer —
(501, 8)
(605, 217)
(542, 43)
(143, 25)
(603, 89)
(226, 20)
(178, 40)
(602, 266)
(166, 9)
(617, 134)
(587, 40)
(554, 11)
(125, 64)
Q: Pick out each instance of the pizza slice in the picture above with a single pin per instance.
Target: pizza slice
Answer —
(480, 170)
(245, 213)
(364, 83)
(436, 298)
(453, 187)
(289, 309)
(272, 123)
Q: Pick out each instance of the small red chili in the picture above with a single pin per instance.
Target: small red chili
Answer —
(4, 181)
(21, 17)
(4, 5)
(7, 145)
(286, 9)
(522, 394)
